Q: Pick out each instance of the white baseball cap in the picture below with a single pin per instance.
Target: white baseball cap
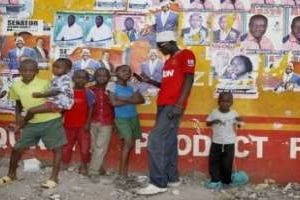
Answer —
(165, 36)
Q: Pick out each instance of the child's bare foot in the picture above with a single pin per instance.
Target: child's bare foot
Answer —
(83, 170)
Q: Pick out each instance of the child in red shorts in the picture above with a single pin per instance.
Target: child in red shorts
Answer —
(77, 121)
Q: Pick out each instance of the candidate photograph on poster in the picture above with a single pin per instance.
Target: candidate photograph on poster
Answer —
(239, 76)
(291, 38)
(195, 29)
(226, 28)
(128, 28)
(263, 32)
(98, 30)
(140, 5)
(282, 74)
(69, 28)
(17, 8)
(24, 46)
(110, 5)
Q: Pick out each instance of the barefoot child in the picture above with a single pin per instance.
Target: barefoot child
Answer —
(77, 121)
(124, 98)
(223, 121)
(102, 123)
(45, 126)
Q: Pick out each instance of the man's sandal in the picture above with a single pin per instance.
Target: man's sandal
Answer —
(5, 180)
(49, 184)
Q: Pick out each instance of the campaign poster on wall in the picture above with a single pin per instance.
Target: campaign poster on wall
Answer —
(263, 30)
(291, 37)
(6, 104)
(21, 36)
(128, 28)
(69, 28)
(98, 30)
(233, 6)
(140, 5)
(196, 29)
(17, 8)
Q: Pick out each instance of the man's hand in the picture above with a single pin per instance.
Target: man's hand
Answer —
(175, 112)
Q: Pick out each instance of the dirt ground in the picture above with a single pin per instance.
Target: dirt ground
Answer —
(74, 186)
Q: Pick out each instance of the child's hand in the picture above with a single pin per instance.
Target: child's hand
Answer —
(37, 95)
(217, 121)
(175, 112)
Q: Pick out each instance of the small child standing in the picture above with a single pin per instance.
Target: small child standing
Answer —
(102, 123)
(223, 121)
(124, 98)
(77, 121)
(59, 96)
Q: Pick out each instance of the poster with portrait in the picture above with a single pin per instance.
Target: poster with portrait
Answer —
(140, 5)
(17, 8)
(25, 45)
(196, 28)
(291, 32)
(240, 76)
(98, 30)
(264, 30)
(233, 6)
(110, 5)
(6, 104)
(226, 28)
(282, 73)
(69, 28)
(128, 28)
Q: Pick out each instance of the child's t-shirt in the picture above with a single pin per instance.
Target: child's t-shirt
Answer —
(223, 133)
(65, 98)
(125, 111)
(103, 110)
(77, 116)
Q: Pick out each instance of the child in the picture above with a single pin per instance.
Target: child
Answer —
(102, 123)
(123, 97)
(223, 122)
(45, 126)
(77, 121)
(60, 95)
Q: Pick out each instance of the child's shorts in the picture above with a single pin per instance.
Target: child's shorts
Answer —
(50, 132)
(129, 128)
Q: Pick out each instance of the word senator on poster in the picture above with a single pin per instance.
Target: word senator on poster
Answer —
(197, 145)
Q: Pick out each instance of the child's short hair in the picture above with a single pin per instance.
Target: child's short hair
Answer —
(29, 61)
(120, 66)
(87, 76)
(65, 62)
(102, 69)
(224, 93)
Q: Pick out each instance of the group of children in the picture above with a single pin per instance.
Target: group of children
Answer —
(88, 114)
(88, 117)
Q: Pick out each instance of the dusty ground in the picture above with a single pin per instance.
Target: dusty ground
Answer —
(77, 187)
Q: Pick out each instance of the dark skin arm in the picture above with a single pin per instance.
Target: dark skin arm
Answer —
(136, 98)
(89, 118)
(49, 93)
(18, 111)
(215, 121)
(144, 78)
(185, 91)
